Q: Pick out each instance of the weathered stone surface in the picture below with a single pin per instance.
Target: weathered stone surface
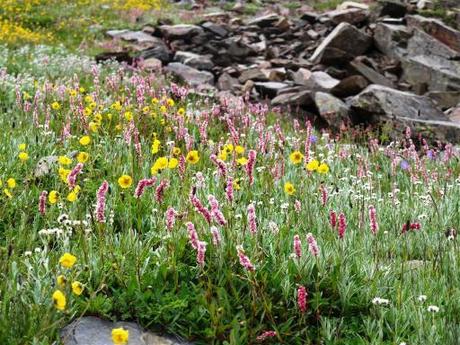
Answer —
(352, 4)
(201, 62)
(265, 21)
(270, 88)
(445, 99)
(350, 86)
(189, 74)
(217, 29)
(391, 8)
(226, 82)
(137, 36)
(349, 15)
(316, 81)
(45, 165)
(151, 64)
(180, 31)
(342, 44)
(331, 109)
(160, 52)
(370, 74)
(436, 28)
(391, 39)
(301, 98)
(423, 44)
(94, 331)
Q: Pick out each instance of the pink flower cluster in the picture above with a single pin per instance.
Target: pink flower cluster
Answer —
(100, 202)
(142, 185)
(72, 177)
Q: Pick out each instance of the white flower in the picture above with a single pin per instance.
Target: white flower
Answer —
(380, 301)
(422, 298)
(284, 205)
(403, 343)
(27, 253)
(433, 309)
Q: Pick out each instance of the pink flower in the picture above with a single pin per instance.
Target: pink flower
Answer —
(229, 189)
(373, 220)
(160, 190)
(100, 203)
(342, 225)
(297, 246)
(42, 202)
(200, 254)
(216, 237)
(142, 185)
(192, 235)
(324, 195)
(170, 218)
(298, 206)
(252, 219)
(312, 245)
(222, 167)
(200, 208)
(250, 165)
(302, 298)
(72, 177)
(244, 260)
(333, 218)
(215, 211)
(265, 335)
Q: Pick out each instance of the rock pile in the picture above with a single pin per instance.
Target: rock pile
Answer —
(352, 64)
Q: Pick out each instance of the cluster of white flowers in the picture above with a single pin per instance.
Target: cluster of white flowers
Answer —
(380, 301)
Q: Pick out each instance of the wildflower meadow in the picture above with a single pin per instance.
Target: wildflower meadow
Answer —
(126, 196)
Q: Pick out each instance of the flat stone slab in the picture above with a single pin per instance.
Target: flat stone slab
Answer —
(92, 330)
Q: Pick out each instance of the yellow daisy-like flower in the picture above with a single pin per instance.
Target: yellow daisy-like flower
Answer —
(239, 149)
(61, 281)
(128, 116)
(59, 300)
(120, 336)
(23, 156)
(163, 109)
(7, 193)
(236, 184)
(82, 157)
(55, 106)
(82, 90)
(85, 140)
(67, 260)
(312, 165)
(73, 93)
(323, 168)
(228, 148)
(64, 160)
(125, 181)
(77, 288)
(63, 173)
(173, 162)
(176, 151)
(181, 112)
(89, 99)
(155, 100)
(72, 196)
(116, 106)
(87, 111)
(223, 155)
(53, 197)
(156, 146)
(22, 147)
(11, 183)
(296, 157)
(171, 102)
(289, 188)
(242, 161)
(93, 126)
(161, 163)
(193, 157)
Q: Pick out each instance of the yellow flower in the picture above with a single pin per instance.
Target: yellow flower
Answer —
(82, 157)
(120, 336)
(228, 148)
(155, 100)
(93, 126)
(89, 99)
(289, 188)
(176, 151)
(109, 116)
(193, 157)
(63, 173)
(155, 146)
(242, 161)
(236, 184)
(67, 260)
(98, 118)
(163, 109)
(73, 93)
(239, 149)
(55, 106)
(323, 168)
(146, 109)
(61, 281)
(173, 162)
(77, 288)
(87, 111)
(11, 183)
(72, 196)
(116, 106)
(82, 90)
(181, 112)
(312, 165)
(85, 140)
(161, 163)
(22, 147)
(223, 155)
(59, 300)
(64, 160)
(171, 102)
(296, 157)
(53, 197)
(7, 193)
(23, 156)
(125, 181)
(128, 116)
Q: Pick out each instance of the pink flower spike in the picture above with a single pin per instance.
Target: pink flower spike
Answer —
(42, 202)
(312, 245)
(201, 252)
(302, 299)
(342, 225)
(100, 203)
(373, 220)
(297, 246)
(252, 219)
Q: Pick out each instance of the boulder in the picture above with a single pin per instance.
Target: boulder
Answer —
(350, 86)
(202, 62)
(190, 75)
(331, 109)
(315, 81)
(269, 89)
(349, 15)
(391, 39)
(226, 82)
(180, 31)
(445, 99)
(342, 44)
(216, 29)
(133, 36)
(91, 330)
(160, 52)
(391, 8)
(300, 98)
(151, 64)
(369, 73)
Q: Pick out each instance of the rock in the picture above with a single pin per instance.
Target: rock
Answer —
(436, 28)
(425, 5)
(180, 31)
(302, 98)
(391, 8)
(331, 109)
(313, 34)
(45, 165)
(310, 17)
(454, 115)
(350, 86)
(160, 52)
(201, 62)
(270, 88)
(265, 21)
(91, 330)
(226, 82)
(239, 49)
(370, 74)
(189, 74)
(352, 4)
(219, 30)
(391, 39)
(423, 44)
(342, 44)
(349, 15)
(379, 103)
(255, 74)
(316, 81)
(445, 99)
(151, 64)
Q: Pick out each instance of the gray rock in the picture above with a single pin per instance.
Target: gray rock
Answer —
(350, 86)
(445, 99)
(349, 15)
(226, 82)
(180, 31)
(391, 39)
(342, 44)
(94, 331)
(215, 28)
(302, 98)
(189, 74)
(255, 74)
(391, 8)
(160, 52)
(315, 81)
(202, 62)
(151, 64)
(270, 88)
(45, 165)
(369, 73)
(133, 36)
(331, 109)
(265, 21)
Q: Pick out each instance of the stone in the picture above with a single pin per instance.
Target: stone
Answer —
(454, 115)
(265, 21)
(270, 88)
(349, 15)
(352, 4)
(45, 166)
(91, 330)
(425, 5)
(316, 81)
(239, 49)
(255, 74)
(151, 64)
(342, 44)
(350, 86)
(445, 99)
(201, 62)
(226, 82)
(423, 44)
(217, 29)
(370, 74)
(313, 34)
(180, 31)
(391, 40)
(310, 17)
(331, 109)
(391, 8)
(436, 28)
(189, 74)
(302, 98)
